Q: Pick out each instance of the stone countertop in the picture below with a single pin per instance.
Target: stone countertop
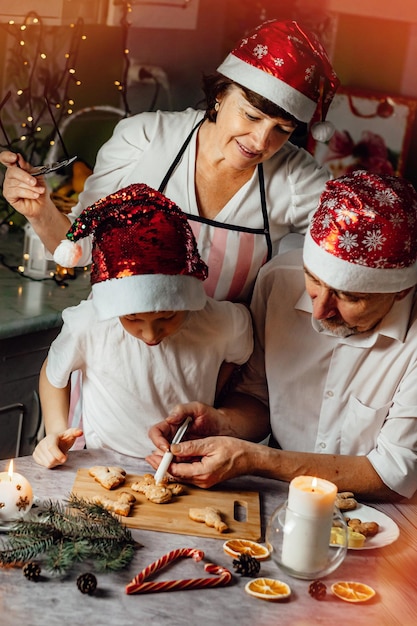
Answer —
(29, 305)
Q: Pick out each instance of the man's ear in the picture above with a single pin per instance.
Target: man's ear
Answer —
(401, 294)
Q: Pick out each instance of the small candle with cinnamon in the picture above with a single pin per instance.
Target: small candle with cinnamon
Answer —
(16, 495)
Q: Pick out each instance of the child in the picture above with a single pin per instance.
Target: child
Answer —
(149, 337)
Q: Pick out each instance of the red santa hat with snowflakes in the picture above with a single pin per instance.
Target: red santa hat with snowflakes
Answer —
(144, 255)
(287, 64)
(363, 235)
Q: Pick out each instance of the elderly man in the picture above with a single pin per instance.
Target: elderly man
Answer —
(336, 356)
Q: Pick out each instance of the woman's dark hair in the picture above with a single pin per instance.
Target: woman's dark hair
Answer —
(216, 84)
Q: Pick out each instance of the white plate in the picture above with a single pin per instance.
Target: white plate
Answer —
(388, 529)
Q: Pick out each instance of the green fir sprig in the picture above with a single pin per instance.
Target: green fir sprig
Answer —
(65, 534)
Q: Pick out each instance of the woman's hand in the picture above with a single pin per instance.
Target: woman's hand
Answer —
(30, 196)
(206, 462)
(52, 449)
(25, 193)
(8, 158)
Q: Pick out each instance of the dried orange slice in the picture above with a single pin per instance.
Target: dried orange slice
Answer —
(353, 591)
(236, 547)
(268, 589)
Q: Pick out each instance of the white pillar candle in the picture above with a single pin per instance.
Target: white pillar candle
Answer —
(16, 495)
(308, 521)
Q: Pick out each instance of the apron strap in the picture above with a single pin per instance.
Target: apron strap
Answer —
(264, 210)
(209, 222)
(177, 159)
(204, 220)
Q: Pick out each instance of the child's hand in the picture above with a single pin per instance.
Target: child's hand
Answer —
(52, 449)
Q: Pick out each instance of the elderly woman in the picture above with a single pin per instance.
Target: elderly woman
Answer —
(230, 168)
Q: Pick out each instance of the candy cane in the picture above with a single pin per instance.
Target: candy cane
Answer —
(138, 584)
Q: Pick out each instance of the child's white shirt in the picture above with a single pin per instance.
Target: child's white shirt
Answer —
(129, 386)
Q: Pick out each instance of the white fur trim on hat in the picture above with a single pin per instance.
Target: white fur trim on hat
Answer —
(345, 276)
(268, 86)
(147, 293)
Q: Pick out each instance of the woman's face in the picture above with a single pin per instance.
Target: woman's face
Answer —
(246, 136)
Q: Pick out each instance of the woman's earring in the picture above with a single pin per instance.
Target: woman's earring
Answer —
(217, 106)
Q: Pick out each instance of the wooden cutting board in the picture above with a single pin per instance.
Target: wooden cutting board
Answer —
(240, 509)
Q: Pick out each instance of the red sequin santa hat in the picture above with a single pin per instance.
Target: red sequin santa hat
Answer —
(363, 235)
(286, 64)
(144, 255)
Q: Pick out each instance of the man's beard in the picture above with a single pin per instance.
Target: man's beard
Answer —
(337, 329)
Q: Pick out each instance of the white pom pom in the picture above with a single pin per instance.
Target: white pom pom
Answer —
(67, 254)
(322, 131)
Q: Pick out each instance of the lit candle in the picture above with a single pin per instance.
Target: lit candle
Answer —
(308, 521)
(16, 495)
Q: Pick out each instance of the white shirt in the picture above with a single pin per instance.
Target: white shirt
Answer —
(141, 150)
(129, 386)
(354, 395)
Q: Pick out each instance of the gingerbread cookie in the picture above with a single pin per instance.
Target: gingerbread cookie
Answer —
(369, 529)
(121, 506)
(345, 501)
(175, 488)
(159, 494)
(108, 477)
(210, 517)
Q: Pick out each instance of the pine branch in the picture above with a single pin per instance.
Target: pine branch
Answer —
(69, 534)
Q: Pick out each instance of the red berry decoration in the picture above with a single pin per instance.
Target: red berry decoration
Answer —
(317, 590)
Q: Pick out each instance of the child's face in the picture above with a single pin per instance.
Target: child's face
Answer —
(152, 328)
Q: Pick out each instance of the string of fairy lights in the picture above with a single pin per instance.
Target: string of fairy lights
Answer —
(43, 79)
(42, 83)
(125, 25)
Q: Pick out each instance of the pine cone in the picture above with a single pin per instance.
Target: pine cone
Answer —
(32, 571)
(246, 565)
(317, 590)
(87, 583)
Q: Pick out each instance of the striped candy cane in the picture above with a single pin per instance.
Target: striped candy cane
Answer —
(139, 584)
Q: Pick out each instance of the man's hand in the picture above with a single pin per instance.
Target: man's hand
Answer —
(205, 423)
(212, 450)
(206, 462)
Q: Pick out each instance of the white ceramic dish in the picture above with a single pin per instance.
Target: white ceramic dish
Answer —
(388, 529)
